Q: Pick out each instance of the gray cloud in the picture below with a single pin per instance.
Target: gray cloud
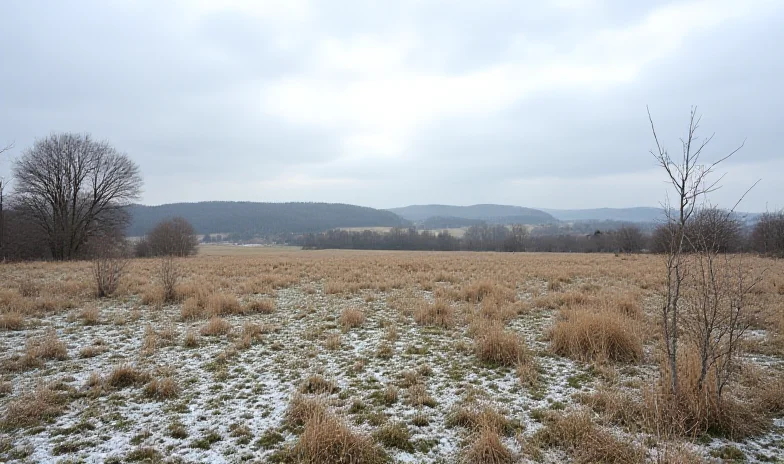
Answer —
(406, 102)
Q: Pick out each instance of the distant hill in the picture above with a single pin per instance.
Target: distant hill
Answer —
(261, 219)
(450, 222)
(488, 213)
(637, 214)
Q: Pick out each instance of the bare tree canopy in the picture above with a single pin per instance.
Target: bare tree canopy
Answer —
(74, 188)
(172, 237)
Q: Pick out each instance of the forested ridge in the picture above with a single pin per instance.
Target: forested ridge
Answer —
(248, 219)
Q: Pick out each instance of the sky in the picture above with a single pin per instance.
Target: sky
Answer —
(386, 104)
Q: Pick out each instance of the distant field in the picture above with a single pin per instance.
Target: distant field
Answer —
(273, 354)
(455, 232)
(243, 250)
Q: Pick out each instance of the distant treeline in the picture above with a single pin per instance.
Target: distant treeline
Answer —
(477, 238)
(724, 232)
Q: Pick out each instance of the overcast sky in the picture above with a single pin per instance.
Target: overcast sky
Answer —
(537, 104)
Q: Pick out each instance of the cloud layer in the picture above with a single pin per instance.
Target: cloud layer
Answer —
(406, 102)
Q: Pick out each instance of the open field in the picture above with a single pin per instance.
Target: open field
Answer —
(270, 355)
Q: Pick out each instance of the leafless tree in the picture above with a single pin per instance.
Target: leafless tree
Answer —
(74, 188)
(110, 258)
(168, 275)
(173, 237)
(629, 239)
(2, 212)
(691, 181)
(767, 237)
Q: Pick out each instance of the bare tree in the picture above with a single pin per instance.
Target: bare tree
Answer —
(173, 237)
(74, 188)
(110, 258)
(2, 212)
(690, 180)
(629, 239)
(767, 237)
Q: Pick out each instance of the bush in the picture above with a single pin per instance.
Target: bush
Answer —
(173, 237)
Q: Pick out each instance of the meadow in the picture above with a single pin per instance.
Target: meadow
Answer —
(279, 355)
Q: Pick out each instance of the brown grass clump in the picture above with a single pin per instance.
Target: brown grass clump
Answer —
(418, 396)
(477, 417)
(90, 315)
(333, 342)
(124, 376)
(498, 346)
(191, 309)
(150, 341)
(301, 409)
(596, 336)
(191, 339)
(220, 304)
(486, 448)
(11, 321)
(351, 317)
(440, 314)
(6, 388)
(316, 384)
(47, 346)
(33, 408)
(264, 306)
(162, 389)
(216, 326)
(478, 291)
(575, 433)
(328, 440)
(92, 351)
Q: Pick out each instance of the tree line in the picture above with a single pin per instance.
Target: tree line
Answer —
(718, 227)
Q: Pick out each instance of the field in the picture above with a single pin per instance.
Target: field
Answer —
(276, 355)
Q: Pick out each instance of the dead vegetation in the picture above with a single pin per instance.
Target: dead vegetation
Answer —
(370, 352)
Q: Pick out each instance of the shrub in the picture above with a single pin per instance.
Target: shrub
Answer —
(604, 335)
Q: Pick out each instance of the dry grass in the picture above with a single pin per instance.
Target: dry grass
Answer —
(215, 326)
(302, 409)
(486, 448)
(604, 335)
(163, 389)
(317, 384)
(584, 441)
(440, 313)
(479, 417)
(12, 321)
(263, 306)
(90, 315)
(33, 408)
(496, 345)
(221, 304)
(126, 375)
(351, 318)
(48, 346)
(191, 339)
(328, 440)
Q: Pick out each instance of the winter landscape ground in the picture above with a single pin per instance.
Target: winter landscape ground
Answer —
(270, 355)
